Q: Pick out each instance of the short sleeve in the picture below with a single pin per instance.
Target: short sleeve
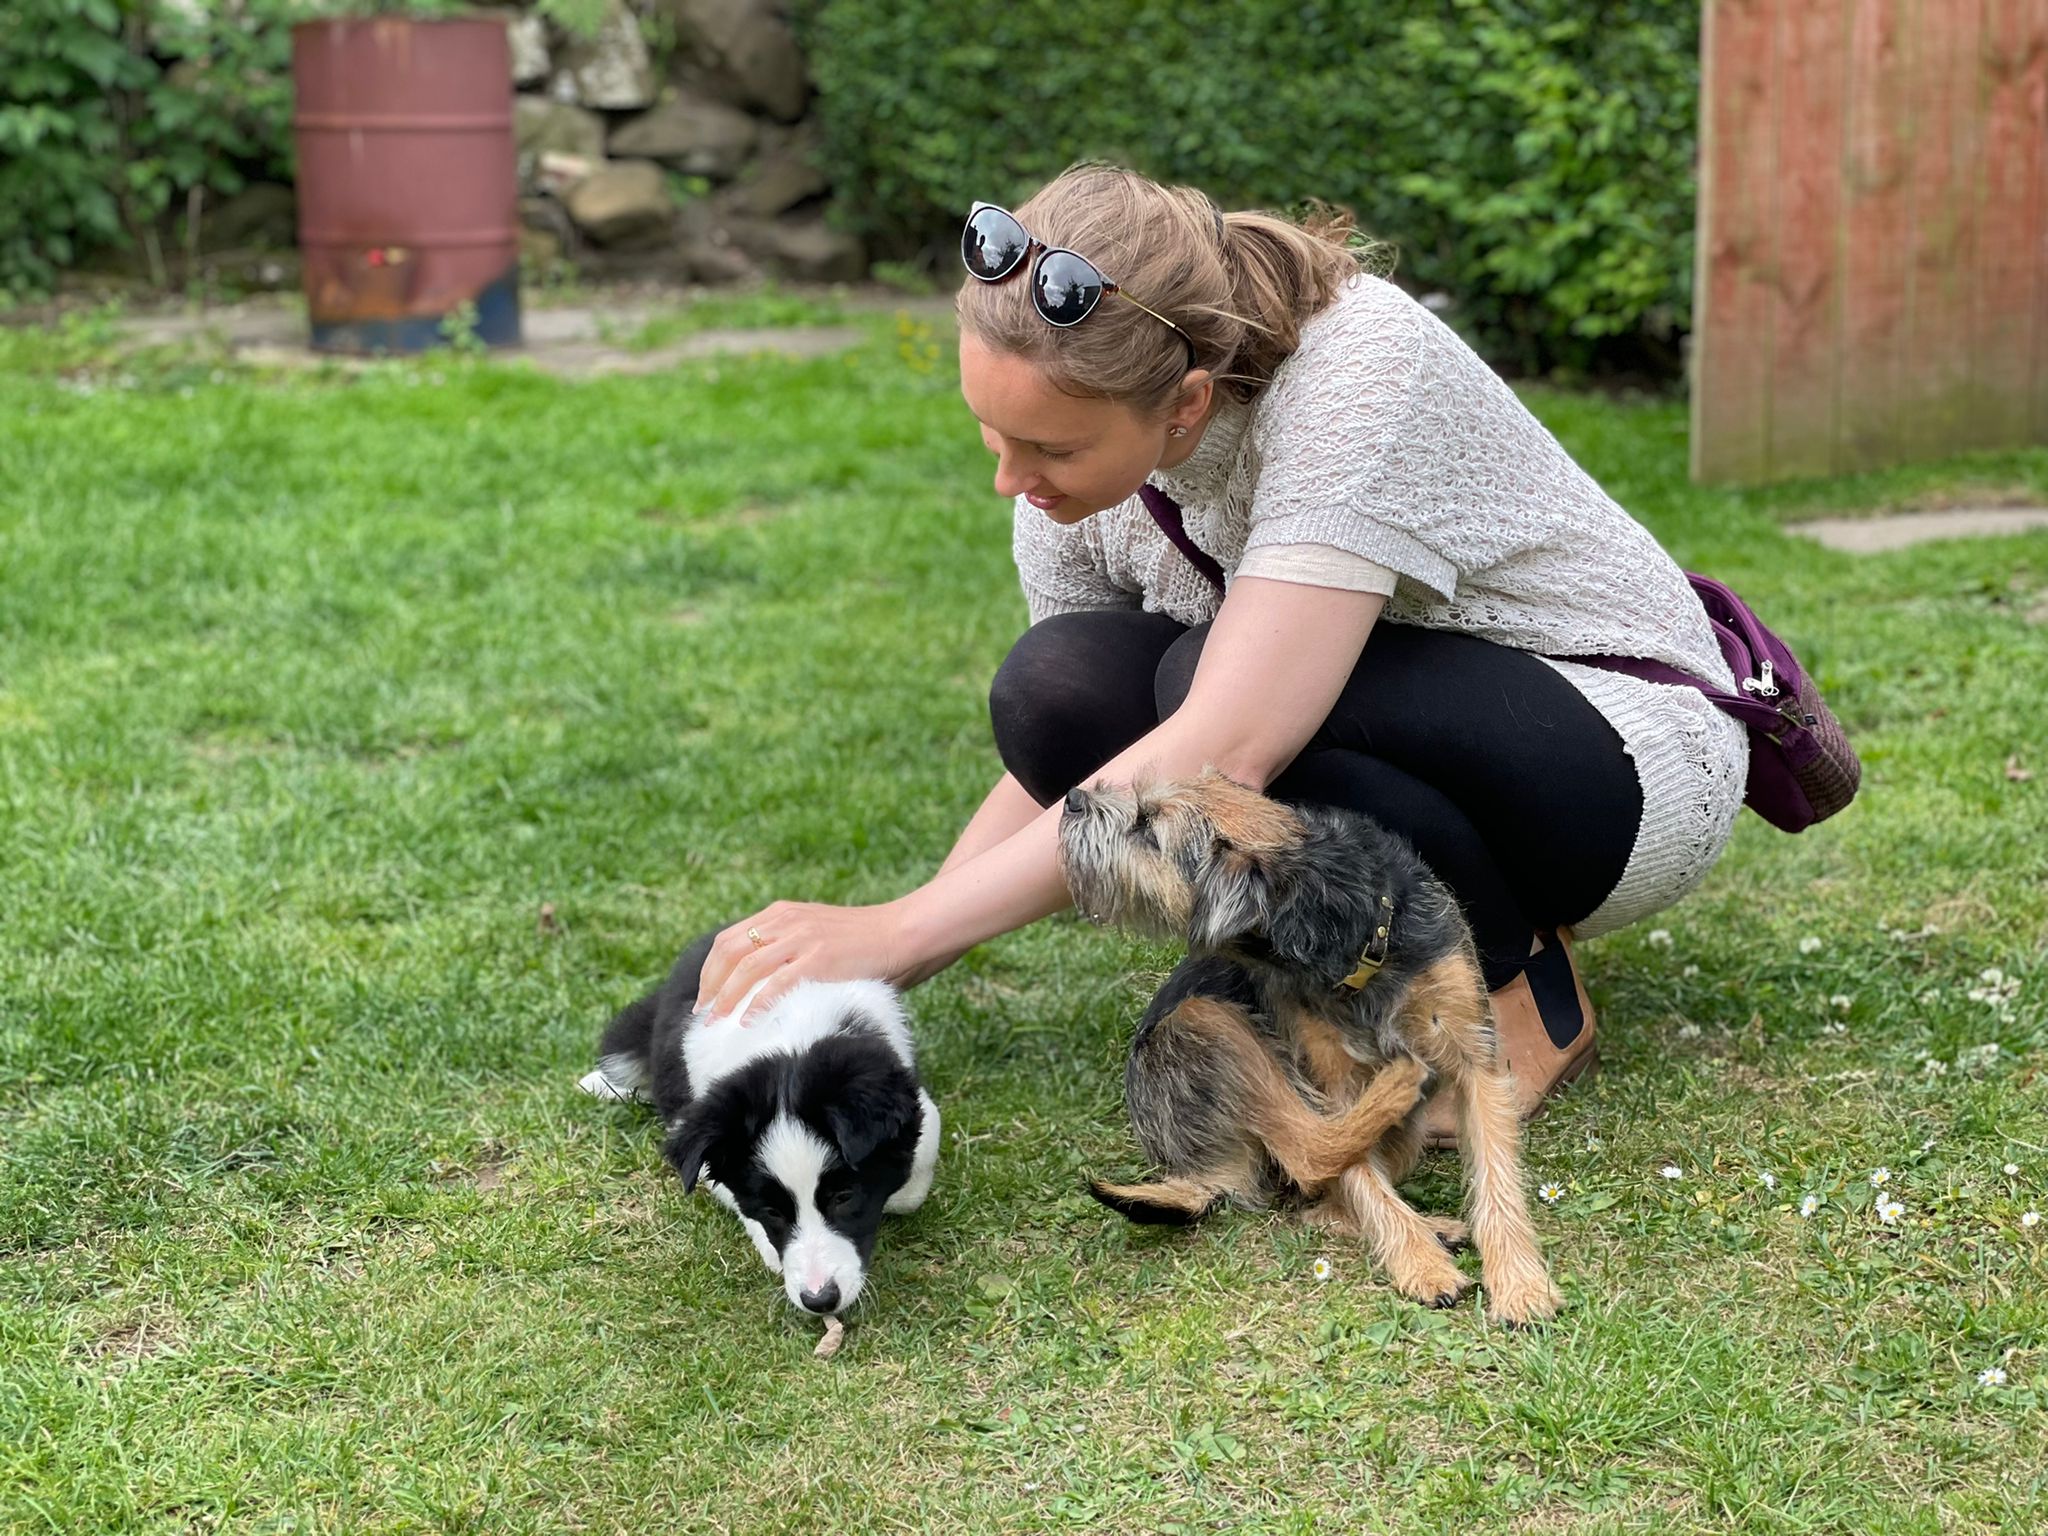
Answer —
(1318, 565)
(1328, 434)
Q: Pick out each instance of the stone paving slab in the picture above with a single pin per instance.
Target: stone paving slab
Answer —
(569, 340)
(1901, 530)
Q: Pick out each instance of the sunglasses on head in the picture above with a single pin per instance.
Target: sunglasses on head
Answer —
(1065, 288)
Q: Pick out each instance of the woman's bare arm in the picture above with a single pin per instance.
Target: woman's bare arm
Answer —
(1272, 668)
(1275, 661)
(1006, 811)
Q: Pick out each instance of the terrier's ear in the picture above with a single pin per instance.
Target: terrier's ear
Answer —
(1233, 897)
(1212, 775)
(1310, 936)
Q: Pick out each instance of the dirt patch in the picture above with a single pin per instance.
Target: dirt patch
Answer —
(212, 748)
(484, 1170)
(1970, 494)
(133, 1342)
(1958, 913)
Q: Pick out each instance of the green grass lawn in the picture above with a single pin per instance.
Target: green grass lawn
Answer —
(364, 741)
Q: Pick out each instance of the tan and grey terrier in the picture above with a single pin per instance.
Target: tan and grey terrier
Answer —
(1331, 980)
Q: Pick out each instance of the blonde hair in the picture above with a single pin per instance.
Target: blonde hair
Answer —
(1240, 292)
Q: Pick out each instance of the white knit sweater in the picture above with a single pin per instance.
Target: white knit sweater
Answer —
(1384, 435)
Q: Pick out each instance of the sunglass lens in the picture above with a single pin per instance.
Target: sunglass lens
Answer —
(1065, 289)
(992, 243)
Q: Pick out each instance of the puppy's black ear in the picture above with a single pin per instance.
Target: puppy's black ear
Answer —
(721, 1115)
(862, 1096)
(688, 1145)
(1233, 896)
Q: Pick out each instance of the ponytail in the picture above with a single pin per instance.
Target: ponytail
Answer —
(1282, 272)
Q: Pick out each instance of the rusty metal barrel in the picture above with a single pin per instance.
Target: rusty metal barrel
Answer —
(408, 182)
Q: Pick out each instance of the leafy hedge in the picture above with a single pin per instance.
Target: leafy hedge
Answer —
(1532, 157)
(113, 111)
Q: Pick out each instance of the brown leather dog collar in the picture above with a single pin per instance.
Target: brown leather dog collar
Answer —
(1374, 955)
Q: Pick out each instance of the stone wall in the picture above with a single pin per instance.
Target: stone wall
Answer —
(687, 159)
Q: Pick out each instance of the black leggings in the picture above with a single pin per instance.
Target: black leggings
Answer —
(1516, 791)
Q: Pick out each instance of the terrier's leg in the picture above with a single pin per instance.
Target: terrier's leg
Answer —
(1186, 1092)
(1450, 1000)
(1399, 1153)
(1400, 1239)
(1518, 1288)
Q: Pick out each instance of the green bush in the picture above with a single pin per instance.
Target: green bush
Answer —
(1532, 157)
(112, 111)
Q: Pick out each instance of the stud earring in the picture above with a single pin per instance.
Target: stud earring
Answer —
(1176, 431)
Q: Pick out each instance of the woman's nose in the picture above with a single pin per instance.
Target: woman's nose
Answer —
(1010, 479)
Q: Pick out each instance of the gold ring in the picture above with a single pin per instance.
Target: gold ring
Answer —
(755, 935)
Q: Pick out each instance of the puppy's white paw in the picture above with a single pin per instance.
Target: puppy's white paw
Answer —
(606, 1084)
(762, 1246)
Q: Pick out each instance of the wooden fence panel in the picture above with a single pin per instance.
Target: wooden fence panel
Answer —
(1730, 421)
(1812, 74)
(1934, 373)
(1877, 188)
(1873, 233)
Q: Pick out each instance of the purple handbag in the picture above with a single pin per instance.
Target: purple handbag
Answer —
(1801, 766)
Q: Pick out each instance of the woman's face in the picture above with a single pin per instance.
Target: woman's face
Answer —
(1071, 457)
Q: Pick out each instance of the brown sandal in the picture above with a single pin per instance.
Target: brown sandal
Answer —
(1546, 1001)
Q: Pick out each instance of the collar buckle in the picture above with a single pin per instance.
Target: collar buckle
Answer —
(1374, 955)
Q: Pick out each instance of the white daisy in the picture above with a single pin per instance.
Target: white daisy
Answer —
(2030, 1218)
(1550, 1194)
(1978, 1058)
(1842, 1002)
(1810, 945)
(1672, 1171)
(1689, 972)
(1809, 1205)
(1991, 1376)
(1768, 1180)
(1879, 1177)
(1889, 1212)
(1660, 938)
(1321, 1269)
(2012, 1170)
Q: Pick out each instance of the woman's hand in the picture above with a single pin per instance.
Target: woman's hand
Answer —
(795, 941)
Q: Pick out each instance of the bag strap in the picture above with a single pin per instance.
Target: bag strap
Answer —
(1752, 712)
(1166, 513)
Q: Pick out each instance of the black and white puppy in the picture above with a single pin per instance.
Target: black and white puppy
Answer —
(808, 1122)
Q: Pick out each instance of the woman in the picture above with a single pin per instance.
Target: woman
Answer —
(1379, 563)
